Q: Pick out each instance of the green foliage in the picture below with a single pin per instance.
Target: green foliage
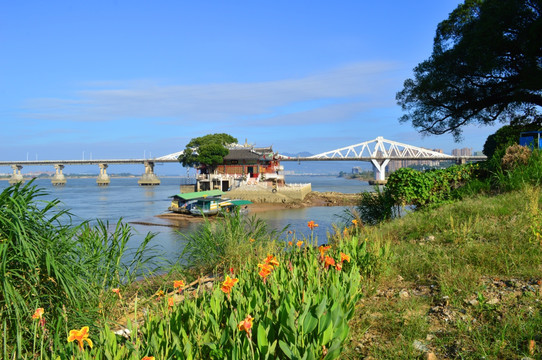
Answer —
(46, 262)
(485, 67)
(410, 187)
(227, 242)
(407, 186)
(377, 206)
(208, 150)
(520, 177)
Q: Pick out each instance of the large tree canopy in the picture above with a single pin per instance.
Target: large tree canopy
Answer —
(206, 151)
(486, 66)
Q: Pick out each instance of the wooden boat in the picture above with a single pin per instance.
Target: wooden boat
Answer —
(212, 206)
(183, 203)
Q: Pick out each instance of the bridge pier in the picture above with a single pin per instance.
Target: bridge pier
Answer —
(379, 169)
(58, 179)
(16, 177)
(460, 161)
(103, 179)
(149, 178)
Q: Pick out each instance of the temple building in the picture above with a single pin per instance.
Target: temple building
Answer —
(244, 165)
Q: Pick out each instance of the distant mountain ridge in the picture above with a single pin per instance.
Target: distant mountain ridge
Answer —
(299, 154)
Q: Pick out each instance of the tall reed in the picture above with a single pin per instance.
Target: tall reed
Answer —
(47, 262)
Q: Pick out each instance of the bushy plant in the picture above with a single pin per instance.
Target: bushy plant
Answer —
(520, 175)
(515, 155)
(226, 242)
(377, 206)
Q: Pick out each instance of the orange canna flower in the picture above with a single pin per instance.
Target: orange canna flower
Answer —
(271, 260)
(329, 261)
(170, 302)
(159, 293)
(266, 269)
(312, 225)
(148, 358)
(246, 325)
(355, 222)
(38, 314)
(339, 266)
(299, 244)
(228, 284)
(117, 291)
(80, 336)
(323, 250)
(290, 243)
(345, 257)
(532, 345)
(179, 285)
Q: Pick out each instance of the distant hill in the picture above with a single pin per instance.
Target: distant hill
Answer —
(300, 154)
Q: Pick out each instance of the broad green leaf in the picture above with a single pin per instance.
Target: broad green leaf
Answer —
(285, 349)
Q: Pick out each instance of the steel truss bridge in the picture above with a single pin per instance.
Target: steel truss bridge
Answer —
(378, 151)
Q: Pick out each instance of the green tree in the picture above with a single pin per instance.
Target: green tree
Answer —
(206, 151)
(486, 66)
(506, 136)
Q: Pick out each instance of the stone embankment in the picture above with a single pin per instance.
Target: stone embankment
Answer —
(266, 194)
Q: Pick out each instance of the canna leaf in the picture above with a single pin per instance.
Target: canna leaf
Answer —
(285, 349)
(263, 344)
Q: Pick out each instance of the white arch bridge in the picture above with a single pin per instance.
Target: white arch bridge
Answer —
(378, 151)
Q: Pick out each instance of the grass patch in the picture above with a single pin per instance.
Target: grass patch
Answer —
(472, 272)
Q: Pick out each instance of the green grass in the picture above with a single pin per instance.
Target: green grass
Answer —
(448, 257)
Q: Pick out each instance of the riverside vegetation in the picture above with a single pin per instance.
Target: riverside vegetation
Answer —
(453, 279)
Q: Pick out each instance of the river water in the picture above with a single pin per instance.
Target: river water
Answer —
(123, 198)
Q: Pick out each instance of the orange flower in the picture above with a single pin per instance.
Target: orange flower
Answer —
(251, 240)
(265, 270)
(345, 257)
(80, 336)
(299, 244)
(170, 302)
(246, 325)
(271, 260)
(532, 345)
(179, 285)
(159, 293)
(339, 266)
(329, 261)
(290, 243)
(148, 358)
(323, 250)
(312, 225)
(117, 291)
(290, 232)
(38, 314)
(228, 284)
(355, 222)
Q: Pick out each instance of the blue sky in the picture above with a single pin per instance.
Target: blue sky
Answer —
(124, 79)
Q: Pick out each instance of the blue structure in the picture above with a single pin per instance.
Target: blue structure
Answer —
(528, 139)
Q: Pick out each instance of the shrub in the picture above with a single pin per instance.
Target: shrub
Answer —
(515, 155)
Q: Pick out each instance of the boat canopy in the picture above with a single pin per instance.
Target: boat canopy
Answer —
(199, 194)
(237, 202)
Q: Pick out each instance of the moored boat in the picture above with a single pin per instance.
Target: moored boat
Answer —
(183, 203)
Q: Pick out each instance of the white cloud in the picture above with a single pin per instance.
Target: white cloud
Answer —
(340, 92)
